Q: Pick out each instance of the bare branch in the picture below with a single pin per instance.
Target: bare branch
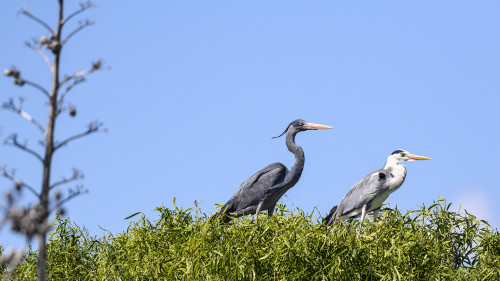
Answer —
(93, 127)
(12, 140)
(34, 221)
(83, 7)
(78, 78)
(76, 81)
(10, 105)
(77, 175)
(72, 194)
(97, 65)
(37, 48)
(79, 28)
(27, 13)
(19, 184)
(35, 85)
(18, 80)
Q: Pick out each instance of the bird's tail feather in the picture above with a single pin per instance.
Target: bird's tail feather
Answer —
(223, 214)
(329, 219)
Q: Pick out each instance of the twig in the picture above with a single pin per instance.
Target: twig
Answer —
(83, 7)
(39, 51)
(78, 78)
(97, 65)
(92, 128)
(18, 109)
(18, 80)
(72, 194)
(12, 140)
(35, 85)
(18, 182)
(76, 81)
(77, 175)
(82, 26)
(29, 15)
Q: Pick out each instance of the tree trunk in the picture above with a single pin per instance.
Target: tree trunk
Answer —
(42, 256)
(49, 150)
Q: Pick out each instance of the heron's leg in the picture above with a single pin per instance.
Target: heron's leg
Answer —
(375, 214)
(257, 211)
(363, 214)
(270, 211)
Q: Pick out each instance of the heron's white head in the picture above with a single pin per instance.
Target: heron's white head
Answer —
(402, 155)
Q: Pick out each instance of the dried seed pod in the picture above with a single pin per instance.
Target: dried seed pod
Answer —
(58, 195)
(19, 81)
(10, 198)
(12, 72)
(72, 111)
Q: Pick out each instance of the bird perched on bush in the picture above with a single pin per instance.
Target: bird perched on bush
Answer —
(263, 190)
(370, 192)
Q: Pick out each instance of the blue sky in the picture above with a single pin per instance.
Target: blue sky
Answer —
(197, 89)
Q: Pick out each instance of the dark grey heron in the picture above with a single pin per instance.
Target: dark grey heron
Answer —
(262, 190)
(370, 192)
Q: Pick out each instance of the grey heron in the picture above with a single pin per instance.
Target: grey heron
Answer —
(371, 191)
(263, 190)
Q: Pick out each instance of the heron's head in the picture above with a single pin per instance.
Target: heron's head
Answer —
(300, 125)
(402, 155)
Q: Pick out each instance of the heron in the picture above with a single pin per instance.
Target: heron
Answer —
(263, 189)
(371, 191)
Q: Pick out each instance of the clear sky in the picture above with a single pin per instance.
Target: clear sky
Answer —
(197, 89)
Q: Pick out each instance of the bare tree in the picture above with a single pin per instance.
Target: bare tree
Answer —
(33, 220)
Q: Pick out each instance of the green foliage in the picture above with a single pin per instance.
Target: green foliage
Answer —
(3, 267)
(431, 243)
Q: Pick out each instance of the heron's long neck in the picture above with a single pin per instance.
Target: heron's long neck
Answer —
(296, 170)
(397, 171)
(391, 162)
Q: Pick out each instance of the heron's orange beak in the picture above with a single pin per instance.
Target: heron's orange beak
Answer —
(417, 157)
(312, 126)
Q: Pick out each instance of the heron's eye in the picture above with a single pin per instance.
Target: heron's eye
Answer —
(403, 154)
(301, 124)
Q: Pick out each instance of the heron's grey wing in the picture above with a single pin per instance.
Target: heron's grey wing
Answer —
(254, 189)
(362, 193)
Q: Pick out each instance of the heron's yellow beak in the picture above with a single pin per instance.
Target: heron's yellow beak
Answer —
(417, 157)
(312, 126)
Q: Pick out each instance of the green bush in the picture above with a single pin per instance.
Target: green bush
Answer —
(431, 243)
(3, 267)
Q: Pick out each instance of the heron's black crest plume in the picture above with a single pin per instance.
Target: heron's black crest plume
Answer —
(286, 130)
(397, 151)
